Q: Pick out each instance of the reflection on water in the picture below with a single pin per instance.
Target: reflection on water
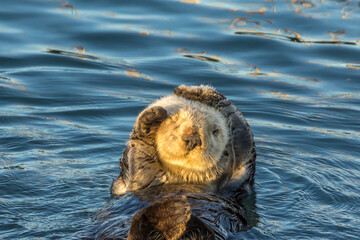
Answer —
(79, 54)
(75, 74)
(134, 74)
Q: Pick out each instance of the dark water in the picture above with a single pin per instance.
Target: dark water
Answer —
(74, 75)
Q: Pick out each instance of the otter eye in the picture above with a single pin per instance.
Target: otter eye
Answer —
(216, 132)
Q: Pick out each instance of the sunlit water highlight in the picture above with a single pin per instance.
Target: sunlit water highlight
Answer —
(75, 74)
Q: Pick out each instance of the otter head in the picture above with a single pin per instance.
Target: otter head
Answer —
(191, 142)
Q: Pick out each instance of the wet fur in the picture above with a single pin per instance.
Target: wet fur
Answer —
(203, 162)
(142, 165)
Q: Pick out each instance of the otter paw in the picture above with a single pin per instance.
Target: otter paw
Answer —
(165, 219)
(118, 186)
(204, 94)
(150, 118)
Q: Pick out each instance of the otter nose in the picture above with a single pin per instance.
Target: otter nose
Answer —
(192, 140)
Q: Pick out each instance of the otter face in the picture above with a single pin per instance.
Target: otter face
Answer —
(192, 141)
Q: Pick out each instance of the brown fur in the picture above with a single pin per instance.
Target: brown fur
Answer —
(156, 153)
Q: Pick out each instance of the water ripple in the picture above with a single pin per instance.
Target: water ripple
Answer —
(75, 74)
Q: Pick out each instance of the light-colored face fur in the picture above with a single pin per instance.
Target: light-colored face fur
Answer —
(191, 120)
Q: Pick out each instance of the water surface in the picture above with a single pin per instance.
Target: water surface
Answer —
(75, 74)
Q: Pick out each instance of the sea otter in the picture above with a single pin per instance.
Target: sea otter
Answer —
(194, 136)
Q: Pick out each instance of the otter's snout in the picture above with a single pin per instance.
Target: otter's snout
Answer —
(192, 140)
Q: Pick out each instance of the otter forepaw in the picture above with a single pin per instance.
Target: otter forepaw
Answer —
(203, 93)
(149, 119)
(118, 186)
(153, 116)
(165, 219)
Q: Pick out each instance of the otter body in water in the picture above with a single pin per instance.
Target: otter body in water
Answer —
(189, 158)
(195, 136)
(171, 211)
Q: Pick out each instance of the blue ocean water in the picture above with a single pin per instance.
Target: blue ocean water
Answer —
(75, 74)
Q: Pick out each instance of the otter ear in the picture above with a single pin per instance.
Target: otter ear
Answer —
(203, 93)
